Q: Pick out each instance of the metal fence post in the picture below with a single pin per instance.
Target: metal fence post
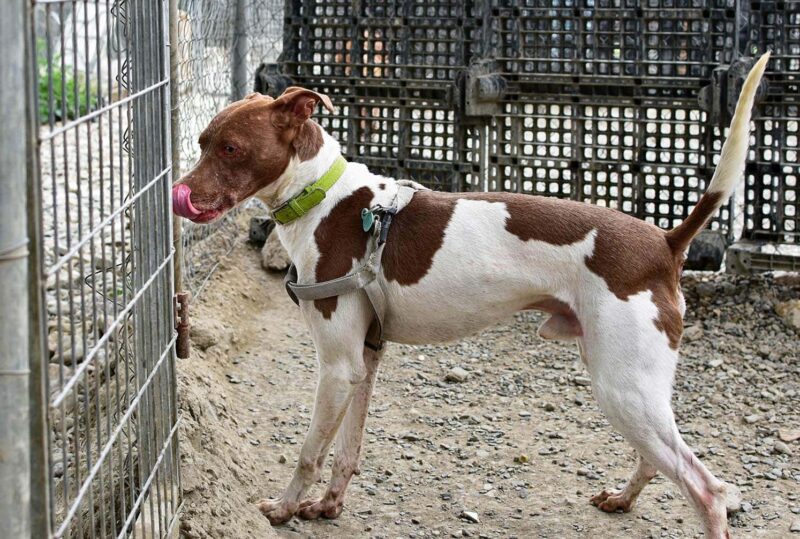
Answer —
(37, 338)
(239, 78)
(15, 509)
(175, 133)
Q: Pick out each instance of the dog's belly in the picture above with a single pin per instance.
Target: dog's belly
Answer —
(482, 275)
(435, 325)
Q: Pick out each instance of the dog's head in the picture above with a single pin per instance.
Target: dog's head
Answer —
(246, 148)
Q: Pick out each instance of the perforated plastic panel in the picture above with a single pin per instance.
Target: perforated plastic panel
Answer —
(389, 68)
(772, 208)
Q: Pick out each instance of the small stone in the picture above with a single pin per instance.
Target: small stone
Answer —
(273, 256)
(693, 333)
(73, 357)
(795, 527)
(782, 448)
(470, 516)
(733, 499)
(752, 418)
(282, 459)
(714, 363)
(524, 414)
(789, 435)
(457, 375)
(549, 407)
(705, 290)
(521, 459)
(582, 381)
(747, 507)
(789, 311)
(206, 332)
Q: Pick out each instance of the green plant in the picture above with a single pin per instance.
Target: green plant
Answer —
(70, 97)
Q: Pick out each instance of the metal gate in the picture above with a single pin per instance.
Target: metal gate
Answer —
(105, 266)
(614, 102)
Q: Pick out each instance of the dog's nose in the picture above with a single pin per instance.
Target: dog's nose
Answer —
(182, 202)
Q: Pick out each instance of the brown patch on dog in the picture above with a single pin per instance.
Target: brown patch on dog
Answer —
(340, 239)
(382, 186)
(669, 320)
(630, 255)
(417, 233)
(308, 141)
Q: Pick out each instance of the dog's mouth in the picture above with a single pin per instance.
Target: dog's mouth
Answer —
(207, 216)
(182, 206)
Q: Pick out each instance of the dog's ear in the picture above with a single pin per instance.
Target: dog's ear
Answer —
(298, 104)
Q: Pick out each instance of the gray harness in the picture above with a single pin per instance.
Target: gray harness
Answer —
(365, 277)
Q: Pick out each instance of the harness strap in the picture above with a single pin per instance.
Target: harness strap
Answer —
(327, 289)
(363, 278)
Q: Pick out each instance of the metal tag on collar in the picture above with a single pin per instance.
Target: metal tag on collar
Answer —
(367, 219)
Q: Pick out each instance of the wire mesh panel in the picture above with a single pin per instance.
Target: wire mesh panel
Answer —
(213, 37)
(106, 275)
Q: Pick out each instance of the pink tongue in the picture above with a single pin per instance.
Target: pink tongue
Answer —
(182, 202)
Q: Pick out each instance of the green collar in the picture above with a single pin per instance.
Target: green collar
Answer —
(311, 196)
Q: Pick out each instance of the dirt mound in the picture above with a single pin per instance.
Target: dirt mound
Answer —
(222, 475)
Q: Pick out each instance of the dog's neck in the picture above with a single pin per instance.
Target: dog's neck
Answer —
(300, 174)
(297, 176)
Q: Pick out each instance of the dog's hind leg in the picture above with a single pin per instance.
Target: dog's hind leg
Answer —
(632, 368)
(347, 450)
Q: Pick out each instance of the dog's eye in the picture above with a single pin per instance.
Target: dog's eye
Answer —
(229, 150)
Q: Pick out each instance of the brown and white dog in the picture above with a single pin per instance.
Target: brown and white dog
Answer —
(455, 263)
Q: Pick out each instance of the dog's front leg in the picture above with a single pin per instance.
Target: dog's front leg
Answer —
(348, 447)
(338, 378)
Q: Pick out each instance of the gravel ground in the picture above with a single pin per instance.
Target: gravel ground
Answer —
(520, 442)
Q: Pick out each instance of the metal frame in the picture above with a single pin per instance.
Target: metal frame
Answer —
(105, 269)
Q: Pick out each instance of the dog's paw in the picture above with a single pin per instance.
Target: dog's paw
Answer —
(612, 501)
(277, 511)
(325, 507)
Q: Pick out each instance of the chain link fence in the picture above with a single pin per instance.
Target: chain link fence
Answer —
(219, 46)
